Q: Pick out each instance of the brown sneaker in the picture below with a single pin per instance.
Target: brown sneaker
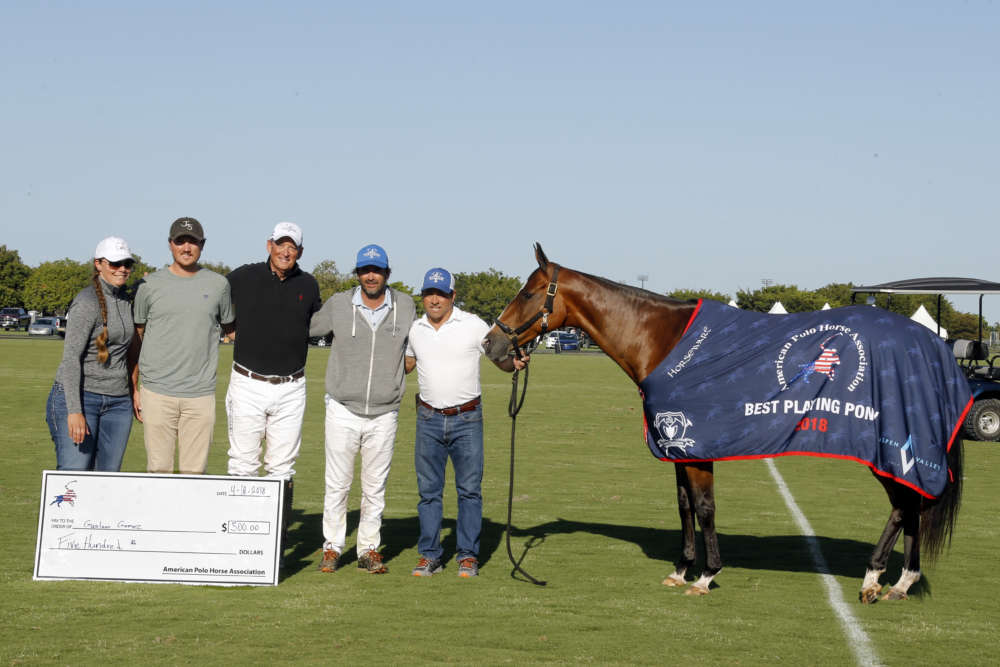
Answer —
(330, 561)
(372, 561)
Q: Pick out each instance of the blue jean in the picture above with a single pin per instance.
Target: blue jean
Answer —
(459, 437)
(109, 419)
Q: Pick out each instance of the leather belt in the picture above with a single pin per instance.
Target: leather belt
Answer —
(453, 410)
(273, 379)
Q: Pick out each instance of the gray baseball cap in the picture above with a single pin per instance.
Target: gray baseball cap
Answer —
(187, 227)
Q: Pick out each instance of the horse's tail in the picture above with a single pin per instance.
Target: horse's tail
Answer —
(937, 520)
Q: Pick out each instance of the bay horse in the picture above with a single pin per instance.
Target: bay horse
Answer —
(638, 329)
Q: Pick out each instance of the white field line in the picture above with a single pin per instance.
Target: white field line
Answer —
(858, 640)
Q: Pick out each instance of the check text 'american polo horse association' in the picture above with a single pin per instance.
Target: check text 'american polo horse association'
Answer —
(719, 383)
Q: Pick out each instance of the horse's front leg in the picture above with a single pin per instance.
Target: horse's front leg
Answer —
(701, 495)
(703, 485)
(685, 508)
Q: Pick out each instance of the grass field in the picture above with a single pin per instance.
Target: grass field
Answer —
(598, 513)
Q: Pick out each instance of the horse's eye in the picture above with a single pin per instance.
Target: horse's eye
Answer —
(526, 296)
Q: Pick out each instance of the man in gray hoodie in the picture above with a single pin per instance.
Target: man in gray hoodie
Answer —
(365, 382)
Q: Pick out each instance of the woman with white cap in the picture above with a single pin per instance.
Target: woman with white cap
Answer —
(89, 411)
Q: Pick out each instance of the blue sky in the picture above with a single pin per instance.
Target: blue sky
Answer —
(707, 145)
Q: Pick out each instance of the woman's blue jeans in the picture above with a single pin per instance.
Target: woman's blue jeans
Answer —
(459, 437)
(109, 419)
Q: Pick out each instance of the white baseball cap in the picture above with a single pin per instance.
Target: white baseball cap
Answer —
(113, 249)
(287, 230)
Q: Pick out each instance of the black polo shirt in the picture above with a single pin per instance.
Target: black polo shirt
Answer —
(272, 317)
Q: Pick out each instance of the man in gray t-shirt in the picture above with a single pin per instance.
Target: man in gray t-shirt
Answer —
(179, 313)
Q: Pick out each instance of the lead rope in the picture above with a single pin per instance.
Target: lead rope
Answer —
(513, 407)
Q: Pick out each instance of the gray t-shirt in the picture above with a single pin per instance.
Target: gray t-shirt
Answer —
(182, 316)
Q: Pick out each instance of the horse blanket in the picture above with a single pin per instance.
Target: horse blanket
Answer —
(854, 383)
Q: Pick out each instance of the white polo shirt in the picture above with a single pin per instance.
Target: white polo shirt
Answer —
(448, 358)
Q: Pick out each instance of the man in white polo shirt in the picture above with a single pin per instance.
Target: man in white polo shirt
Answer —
(444, 346)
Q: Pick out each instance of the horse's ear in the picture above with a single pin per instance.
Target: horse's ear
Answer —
(543, 261)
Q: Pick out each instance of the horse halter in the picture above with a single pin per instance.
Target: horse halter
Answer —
(543, 315)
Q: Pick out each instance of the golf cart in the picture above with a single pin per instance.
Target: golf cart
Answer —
(981, 369)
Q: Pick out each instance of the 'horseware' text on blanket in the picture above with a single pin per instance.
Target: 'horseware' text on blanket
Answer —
(856, 383)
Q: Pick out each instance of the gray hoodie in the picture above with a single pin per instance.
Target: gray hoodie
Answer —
(365, 373)
(79, 368)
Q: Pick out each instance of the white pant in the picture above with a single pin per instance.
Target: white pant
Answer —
(258, 410)
(346, 435)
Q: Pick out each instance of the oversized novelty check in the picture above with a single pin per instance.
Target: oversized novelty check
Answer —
(186, 529)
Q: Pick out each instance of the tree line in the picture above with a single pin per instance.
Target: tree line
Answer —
(795, 300)
(50, 286)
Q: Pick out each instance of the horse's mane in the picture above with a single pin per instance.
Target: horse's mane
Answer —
(635, 292)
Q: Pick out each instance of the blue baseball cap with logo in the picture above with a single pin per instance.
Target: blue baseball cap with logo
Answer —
(372, 255)
(439, 279)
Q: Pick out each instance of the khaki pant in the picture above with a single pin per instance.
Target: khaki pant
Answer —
(186, 422)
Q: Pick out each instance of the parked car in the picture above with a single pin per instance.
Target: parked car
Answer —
(14, 318)
(561, 340)
(44, 326)
(61, 326)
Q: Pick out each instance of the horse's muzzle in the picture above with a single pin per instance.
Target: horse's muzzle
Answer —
(496, 345)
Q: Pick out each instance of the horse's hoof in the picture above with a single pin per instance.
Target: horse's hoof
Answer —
(674, 581)
(893, 594)
(870, 594)
(696, 590)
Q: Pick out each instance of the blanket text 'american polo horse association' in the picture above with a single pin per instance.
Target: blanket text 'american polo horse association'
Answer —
(855, 383)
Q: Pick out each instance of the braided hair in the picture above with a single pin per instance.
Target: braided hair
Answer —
(102, 341)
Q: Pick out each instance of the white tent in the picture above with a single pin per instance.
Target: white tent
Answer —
(777, 309)
(826, 306)
(921, 316)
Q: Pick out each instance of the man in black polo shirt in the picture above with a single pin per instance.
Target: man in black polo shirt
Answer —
(274, 301)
